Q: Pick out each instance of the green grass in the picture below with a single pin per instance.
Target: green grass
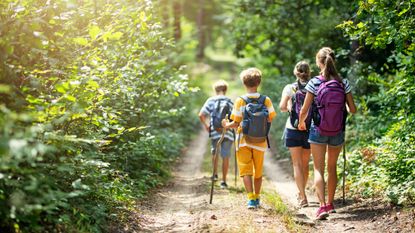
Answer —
(274, 200)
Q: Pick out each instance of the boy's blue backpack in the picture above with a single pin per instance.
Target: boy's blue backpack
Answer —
(221, 108)
(298, 101)
(331, 107)
(255, 125)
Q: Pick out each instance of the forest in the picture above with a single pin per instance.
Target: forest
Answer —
(98, 98)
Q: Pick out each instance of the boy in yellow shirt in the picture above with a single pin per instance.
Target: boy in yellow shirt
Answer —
(252, 132)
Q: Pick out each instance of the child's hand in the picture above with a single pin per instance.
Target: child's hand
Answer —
(225, 123)
(301, 126)
(207, 127)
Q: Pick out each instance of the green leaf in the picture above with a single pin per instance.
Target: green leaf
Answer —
(93, 84)
(116, 36)
(10, 50)
(70, 98)
(81, 41)
(60, 89)
(4, 89)
(94, 31)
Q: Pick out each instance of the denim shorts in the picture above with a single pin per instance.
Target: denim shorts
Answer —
(296, 138)
(225, 147)
(316, 138)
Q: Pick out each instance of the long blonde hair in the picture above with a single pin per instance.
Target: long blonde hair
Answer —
(325, 56)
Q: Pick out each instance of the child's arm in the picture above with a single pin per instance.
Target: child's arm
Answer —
(285, 105)
(350, 103)
(271, 110)
(304, 110)
(202, 118)
(226, 124)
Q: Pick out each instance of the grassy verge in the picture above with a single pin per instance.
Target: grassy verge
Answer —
(278, 207)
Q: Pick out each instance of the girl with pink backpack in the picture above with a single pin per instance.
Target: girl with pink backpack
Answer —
(333, 98)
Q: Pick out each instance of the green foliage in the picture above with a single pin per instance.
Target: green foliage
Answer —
(375, 51)
(386, 27)
(92, 112)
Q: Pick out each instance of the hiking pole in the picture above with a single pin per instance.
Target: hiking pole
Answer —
(236, 163)
(344, 171)
(215, 157)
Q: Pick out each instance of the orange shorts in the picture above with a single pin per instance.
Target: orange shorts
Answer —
(250, 162)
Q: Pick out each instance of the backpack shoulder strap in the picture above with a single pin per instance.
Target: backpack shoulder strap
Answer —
(261, 99)
(246, 99)
(217, 102)
(301, 86)
(294, 86)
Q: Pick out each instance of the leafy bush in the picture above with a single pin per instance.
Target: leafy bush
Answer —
(92, 111)
(387, 28)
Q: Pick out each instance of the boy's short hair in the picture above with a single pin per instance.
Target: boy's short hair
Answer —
(220, 86)
(251, 77)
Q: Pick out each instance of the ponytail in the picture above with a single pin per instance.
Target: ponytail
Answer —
(302, 71)
(325, 56)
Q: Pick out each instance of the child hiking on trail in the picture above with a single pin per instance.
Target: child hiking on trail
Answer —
(217, 107)
(252, 115)
(292, 100)
(332, 96)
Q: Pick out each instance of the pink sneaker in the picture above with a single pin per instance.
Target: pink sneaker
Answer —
(330, 208)
(322, 213)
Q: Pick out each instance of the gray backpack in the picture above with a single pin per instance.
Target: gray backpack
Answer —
(255, 125)
(221, 108)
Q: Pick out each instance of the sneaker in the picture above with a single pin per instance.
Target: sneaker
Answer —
(214, 177)
(322, 213)
(223, 185)
(252, 204)
(330, 208)
(257, 202)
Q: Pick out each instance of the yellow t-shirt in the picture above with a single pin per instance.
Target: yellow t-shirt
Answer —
(238, 109)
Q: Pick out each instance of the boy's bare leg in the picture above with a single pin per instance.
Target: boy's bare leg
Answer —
(248, 183)
(258, 184)
(225, 167)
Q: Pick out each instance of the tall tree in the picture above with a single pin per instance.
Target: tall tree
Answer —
(177, 14)
(201, 30)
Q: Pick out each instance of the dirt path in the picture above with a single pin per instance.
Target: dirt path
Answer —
(182, 206)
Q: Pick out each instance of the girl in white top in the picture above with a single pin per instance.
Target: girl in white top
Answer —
(296, 140)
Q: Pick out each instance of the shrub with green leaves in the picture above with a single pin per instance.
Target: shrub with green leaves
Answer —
(91, 114)
(387, 28)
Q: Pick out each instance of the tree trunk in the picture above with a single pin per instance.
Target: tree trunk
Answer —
(201, 30)
(164, 12)
(177, 12)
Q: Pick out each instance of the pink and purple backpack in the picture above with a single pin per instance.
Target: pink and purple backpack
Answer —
(331, 107)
